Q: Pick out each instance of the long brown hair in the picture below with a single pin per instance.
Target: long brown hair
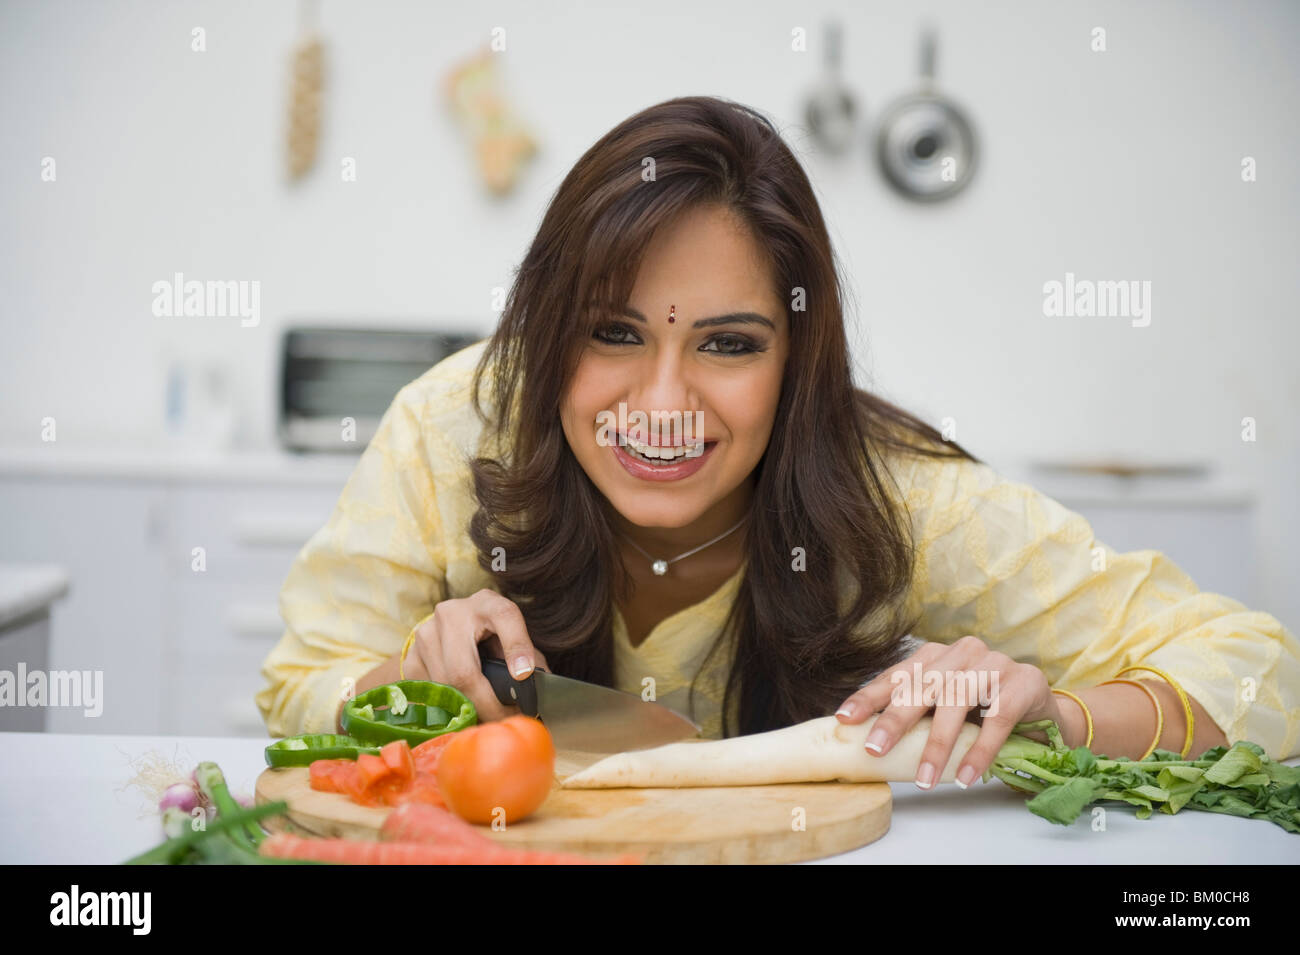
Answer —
(801, 644)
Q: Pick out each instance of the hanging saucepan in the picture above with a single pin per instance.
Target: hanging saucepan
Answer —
(830, 110)
(925, 146)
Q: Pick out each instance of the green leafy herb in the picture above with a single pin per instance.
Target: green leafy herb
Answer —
(1239, 780)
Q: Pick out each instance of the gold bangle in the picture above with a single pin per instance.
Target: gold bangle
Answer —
(1160, 713)
(1087, 714)
(1182, 698)
(406, 647)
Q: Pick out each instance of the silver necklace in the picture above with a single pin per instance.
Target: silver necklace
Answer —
(660, 566)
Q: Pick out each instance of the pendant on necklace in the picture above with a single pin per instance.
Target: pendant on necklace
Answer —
(660, 567)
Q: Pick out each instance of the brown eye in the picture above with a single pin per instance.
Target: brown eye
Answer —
(611, 334)
(732, 345)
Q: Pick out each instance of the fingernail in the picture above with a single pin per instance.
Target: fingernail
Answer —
(925, 778)
(876, 740)
(522, 665)
(966, 776)
(845, 710)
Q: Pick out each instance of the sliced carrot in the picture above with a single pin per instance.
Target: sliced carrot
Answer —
(282, 845)
(420, 822)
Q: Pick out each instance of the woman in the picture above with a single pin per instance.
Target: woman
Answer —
(801, 531)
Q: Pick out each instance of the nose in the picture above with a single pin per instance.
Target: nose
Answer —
(663, 383)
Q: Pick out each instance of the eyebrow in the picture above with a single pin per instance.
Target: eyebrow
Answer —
(738, 318)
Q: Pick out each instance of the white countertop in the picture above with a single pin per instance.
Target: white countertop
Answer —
(28, 587)
(163, 463)
(70, 804)
(275, 465)
(1146, 491)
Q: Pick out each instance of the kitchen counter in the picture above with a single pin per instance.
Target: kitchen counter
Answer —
(27, 589)
(27, 592)
(176, 462)
(71, 804)
(1147, 490)
(276, 465)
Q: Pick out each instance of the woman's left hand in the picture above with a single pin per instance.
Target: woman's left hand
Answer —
(1016, 692)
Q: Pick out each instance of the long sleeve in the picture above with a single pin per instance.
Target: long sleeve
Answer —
(362, 581)
(1000, 560)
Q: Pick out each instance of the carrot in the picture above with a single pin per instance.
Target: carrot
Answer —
(282, 845)
(429, 825)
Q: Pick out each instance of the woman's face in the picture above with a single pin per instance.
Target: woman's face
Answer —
(707, 270)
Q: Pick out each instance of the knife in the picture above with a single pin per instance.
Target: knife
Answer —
(586, 716)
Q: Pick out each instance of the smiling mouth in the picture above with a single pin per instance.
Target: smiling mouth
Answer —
(662, 454)
(663, 457)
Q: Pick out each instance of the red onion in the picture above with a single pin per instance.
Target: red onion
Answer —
(181, 795)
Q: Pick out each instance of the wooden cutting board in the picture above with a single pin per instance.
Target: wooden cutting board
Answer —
(735, 824)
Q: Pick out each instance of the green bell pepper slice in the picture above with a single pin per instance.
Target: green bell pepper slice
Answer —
(306, 749)
(413, 710)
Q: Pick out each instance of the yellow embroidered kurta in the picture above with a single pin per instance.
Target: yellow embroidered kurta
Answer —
(995, 558)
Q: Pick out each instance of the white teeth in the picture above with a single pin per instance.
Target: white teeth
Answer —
(664, 453)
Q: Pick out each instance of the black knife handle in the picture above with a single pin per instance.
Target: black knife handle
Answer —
(511, 692)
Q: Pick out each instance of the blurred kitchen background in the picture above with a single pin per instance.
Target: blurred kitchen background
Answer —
(362, 185)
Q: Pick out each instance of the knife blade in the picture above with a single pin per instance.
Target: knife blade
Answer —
(586, 716)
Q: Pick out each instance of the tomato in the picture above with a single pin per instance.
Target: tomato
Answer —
(348, 779)
(427, 753)
(423, 789)
(399, 774)
(397, 757)
(507, 764)
(324, 774)
(389, 792)
(371, 769)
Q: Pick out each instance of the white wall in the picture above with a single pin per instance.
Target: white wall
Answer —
(1115, 165)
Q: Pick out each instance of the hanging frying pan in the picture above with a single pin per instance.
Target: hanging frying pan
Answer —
(925, 145)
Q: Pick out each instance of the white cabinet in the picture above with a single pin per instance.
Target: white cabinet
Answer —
(108, 536)
(1214, 544)
(1205, 526)
(180, 641)
(225, 617)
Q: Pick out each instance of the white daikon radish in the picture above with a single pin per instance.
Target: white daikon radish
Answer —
(818, 750)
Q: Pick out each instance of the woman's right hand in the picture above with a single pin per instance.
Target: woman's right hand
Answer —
(446, 648)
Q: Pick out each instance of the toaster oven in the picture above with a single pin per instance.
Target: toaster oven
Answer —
(336, 383)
